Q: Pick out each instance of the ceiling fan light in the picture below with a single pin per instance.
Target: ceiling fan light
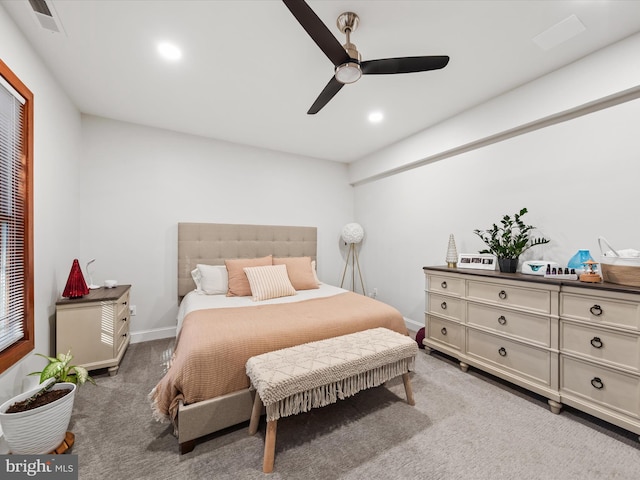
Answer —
(348, 72)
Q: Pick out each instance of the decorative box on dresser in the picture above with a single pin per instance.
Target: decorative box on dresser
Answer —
(572, 342)
(95, 327)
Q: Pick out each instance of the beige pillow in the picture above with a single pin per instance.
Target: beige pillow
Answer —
(238, 282)
(300, 272)
(269, 282)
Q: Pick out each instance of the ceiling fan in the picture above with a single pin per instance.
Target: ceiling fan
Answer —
(346, 59)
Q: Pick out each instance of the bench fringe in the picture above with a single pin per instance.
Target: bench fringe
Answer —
(341, 389)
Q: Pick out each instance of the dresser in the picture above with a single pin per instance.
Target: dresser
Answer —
(95, 327)
(574, 343)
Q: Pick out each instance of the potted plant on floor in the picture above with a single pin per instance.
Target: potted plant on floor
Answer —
(509, 240)
(35, 422)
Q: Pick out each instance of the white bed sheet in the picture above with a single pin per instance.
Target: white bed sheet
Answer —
(200, 301)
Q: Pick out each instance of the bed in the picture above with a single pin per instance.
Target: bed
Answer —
(206, 388)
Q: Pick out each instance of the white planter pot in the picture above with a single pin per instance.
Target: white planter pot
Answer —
(40, 430)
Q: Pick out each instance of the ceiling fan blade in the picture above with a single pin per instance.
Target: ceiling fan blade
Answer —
(327, 94)
(403, 65)
(318, 31)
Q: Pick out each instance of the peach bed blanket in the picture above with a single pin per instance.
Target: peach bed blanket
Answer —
(214, 344)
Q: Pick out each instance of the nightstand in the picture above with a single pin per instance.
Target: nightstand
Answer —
(95, 327)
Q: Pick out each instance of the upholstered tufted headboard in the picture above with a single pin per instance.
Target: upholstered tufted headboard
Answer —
(213, 243)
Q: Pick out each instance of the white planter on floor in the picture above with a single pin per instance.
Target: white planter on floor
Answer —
(40, 430)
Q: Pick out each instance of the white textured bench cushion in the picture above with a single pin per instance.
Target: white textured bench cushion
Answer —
(296, 379)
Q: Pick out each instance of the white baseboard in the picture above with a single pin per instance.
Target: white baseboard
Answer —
(155, 334)
(412, 324)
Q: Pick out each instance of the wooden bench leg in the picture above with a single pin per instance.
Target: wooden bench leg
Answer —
(255, 415)
(407, 389)
(270, 447)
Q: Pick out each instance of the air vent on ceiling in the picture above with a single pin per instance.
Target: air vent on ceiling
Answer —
(45, 16)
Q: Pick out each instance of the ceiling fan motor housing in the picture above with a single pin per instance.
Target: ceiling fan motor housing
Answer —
(349, 72)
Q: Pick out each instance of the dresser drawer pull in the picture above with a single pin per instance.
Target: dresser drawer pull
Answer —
(502, 294)
(124, 334)
(443, 284)
(502, 352)
(443, 305)
(502, 320)
(596, 310)
(124, 319)
(596, 382)
(124, 303)
(596, 342)
(443, 331)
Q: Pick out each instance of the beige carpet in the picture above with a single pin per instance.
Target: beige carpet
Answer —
(464, 426)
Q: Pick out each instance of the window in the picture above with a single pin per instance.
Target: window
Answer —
(16, 214)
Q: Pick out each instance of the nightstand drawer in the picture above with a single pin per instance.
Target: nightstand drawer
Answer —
(529, 299)
(520, 359)
(448, 307)
(530, 328)
(446, 285)
(600, 310)
(619, 349)
(604, 386)
(445, 332)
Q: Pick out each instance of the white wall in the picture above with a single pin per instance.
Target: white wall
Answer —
(577, 178)
(138, 183)
(56, 186)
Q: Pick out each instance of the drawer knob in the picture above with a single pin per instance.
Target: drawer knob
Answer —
(596, 310)
(443, 305)
(124, 319)
(502, 352)
(502, 294)
(443, 331)
(596, 382)
(124, 334)
(443, 284)
(596, 342)
(502, 320)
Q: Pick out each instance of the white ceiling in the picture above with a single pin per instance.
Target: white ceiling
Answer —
(249, 72)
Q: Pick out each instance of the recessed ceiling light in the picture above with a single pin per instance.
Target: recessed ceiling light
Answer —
(169, 51)
(376, 117)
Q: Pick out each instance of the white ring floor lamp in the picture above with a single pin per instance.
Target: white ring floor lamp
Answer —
(352, 234)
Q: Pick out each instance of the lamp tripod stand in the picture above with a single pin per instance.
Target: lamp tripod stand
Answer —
(355, 263)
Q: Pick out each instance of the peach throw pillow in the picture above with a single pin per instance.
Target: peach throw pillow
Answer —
(238, 282)
(300, 272)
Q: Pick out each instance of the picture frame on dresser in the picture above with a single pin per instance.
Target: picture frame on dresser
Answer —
(478, 261)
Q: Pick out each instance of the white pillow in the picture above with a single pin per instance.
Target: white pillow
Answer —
(271, 281)
(315, 274)
(197, 279)
(214, 279)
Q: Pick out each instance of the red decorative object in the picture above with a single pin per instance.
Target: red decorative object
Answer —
(420, 337)
(76, 286)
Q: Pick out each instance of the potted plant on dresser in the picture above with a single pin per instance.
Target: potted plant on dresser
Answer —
(509, 240)
(35, 422)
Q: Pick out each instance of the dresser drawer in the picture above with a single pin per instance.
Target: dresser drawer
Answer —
(522, 360)
(600, 310)
(446, 285)
(619, 349)
(533, 300)
(445, 332)
(530, 328)
(601, 385)
(448, 307)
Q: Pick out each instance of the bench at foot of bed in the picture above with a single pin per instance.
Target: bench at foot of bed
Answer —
(316, 374)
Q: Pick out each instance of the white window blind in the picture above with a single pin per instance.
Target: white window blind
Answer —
(12, 216)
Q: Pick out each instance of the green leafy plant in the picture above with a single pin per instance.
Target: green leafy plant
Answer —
(60, 369)
(511, 238)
